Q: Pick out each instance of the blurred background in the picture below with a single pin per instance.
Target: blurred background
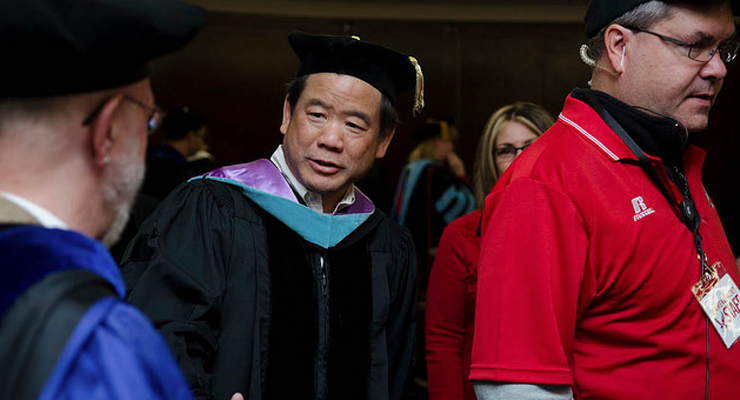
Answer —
(477, 55)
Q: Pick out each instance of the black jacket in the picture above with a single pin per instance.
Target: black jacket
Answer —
(246, 304)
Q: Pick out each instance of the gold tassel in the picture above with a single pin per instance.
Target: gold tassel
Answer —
(419, 92)
(444, 128)
(444, 131)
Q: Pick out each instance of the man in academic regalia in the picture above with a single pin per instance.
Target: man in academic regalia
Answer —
(279, 279)
(75, 111)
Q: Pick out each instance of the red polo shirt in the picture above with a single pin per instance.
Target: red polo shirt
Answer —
(585, 274)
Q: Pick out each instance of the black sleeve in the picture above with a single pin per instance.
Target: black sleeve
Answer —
(401, 329)
(175, 271)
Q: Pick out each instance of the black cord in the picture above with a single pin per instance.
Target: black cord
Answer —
(706, 388)
(687, 209)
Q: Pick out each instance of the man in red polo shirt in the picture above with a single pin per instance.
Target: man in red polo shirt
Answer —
(590, 279)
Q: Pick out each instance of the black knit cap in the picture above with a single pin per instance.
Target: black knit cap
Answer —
(601, 13)
(385, 69)
(62, 47)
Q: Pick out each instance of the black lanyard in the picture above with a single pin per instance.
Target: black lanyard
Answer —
(686, 210)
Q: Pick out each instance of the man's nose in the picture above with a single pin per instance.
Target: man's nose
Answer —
(332, 137)
(714, 68)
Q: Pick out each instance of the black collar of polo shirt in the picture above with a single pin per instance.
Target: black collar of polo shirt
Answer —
(656, 135)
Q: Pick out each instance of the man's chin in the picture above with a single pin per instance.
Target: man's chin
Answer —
(697, 124)
(119, 190)
(116, 229)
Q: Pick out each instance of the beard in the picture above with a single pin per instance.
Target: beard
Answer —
(121, 182)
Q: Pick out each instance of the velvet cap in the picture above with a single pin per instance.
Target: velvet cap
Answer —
(385, 69)
(601, 13)
(63, 47)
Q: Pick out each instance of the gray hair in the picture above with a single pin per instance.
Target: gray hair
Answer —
(643, 16)
(33, 109)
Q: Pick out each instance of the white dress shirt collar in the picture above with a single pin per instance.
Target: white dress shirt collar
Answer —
(311, 199)
(44, 216)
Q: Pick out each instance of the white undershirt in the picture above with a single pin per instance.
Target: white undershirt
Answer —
(487, 390)
(44, 216)
(312, 200)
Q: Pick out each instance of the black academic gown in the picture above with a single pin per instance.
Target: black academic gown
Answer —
(246, 304)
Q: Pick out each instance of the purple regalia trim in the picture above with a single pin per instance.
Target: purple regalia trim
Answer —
(362, 203)
(264, 176)
(260, 174)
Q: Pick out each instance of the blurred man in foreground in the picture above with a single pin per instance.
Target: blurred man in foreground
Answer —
(75, 111)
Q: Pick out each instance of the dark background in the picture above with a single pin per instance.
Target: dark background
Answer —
(477, 56)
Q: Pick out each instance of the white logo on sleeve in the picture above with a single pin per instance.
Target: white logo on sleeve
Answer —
(641, 210)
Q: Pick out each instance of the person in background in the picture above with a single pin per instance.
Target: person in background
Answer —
(277, 278)
(604, 271)
(167, 164)
(450, 307)
(202, 161)
(76, 108)
(432, 191)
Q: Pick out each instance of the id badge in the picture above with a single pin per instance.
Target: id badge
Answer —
(720, 299)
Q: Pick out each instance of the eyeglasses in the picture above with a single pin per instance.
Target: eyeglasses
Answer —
(156, 114)
(154, 120)
(699, 52)
(506, 153)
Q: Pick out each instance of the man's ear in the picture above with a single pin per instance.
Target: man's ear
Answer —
(103, 130)
(385, 141)
(615, 42)
(287, 116)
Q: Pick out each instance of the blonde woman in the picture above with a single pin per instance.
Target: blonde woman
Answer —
(452, 283)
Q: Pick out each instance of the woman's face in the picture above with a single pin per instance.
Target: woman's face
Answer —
(513, 138)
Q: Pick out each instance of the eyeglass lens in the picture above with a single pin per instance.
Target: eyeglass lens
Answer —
(727, 52)
(155, 119)
(507, 152)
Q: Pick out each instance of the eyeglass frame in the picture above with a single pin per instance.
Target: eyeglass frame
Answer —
(513, 156)
(153, 122)
(694, 45)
